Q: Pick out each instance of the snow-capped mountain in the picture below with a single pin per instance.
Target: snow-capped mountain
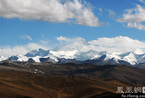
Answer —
(73, 56)
(130, 57)
(18, 58)
(38, 52)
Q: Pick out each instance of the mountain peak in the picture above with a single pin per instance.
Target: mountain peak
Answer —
(38, 52)
(92, 57)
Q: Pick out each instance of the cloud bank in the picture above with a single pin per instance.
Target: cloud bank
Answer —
(20, 49)
(119, 44)
(134, 18)
(70, 11)
(116, 44)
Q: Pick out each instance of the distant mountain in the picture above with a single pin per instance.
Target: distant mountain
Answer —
(132, 58)
(18, 58)
(38, 52)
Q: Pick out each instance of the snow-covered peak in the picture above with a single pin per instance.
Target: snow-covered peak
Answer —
(134, 57)
(64, 54)
(22, 58)
(38, 52)
(111, 56)
(89, 55)
(130, 57)
(36, 58)
(18, 58)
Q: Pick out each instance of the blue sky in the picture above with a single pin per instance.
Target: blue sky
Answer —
(21, 25)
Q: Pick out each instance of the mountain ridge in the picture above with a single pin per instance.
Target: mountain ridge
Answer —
(132, 58)
(122, 73)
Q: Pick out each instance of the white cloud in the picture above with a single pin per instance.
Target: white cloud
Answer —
(69, 44)
(134, 18)
(61, 38)
(44, 42)
(21, 49)
(74, 11)
(136, 25)
(112, 14)
(142, 1)
(26, 37)
(32, 46)
(116, 44)
(100, 10)
(119, 44)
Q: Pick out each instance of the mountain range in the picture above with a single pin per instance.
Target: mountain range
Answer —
(133, 58)
(58, 77)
